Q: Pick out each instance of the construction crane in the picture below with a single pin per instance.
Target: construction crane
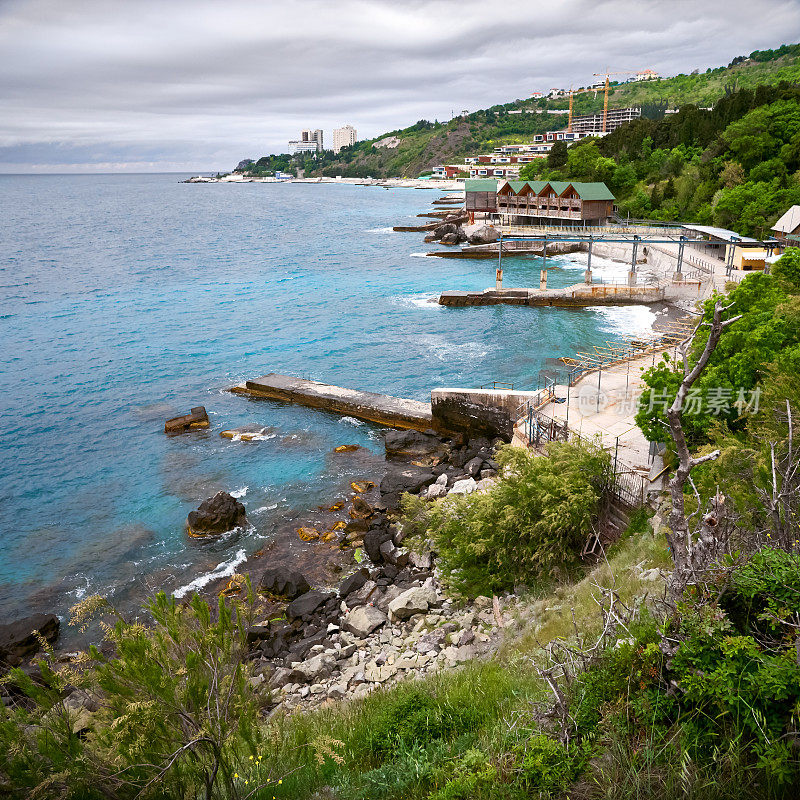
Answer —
(607, 75)
(572, 92)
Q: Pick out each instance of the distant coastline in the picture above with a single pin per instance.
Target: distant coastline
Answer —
(389, 183)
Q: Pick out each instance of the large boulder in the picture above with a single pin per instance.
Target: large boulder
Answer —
(214, 516)
(373, 540)
(444, 230)
(399, 480)
(484, 235)
(305, 605)
(412, 445)
(405, 479)
(413, 601)
(353, 582)
(361, 621)
(20, 639)
(466, 486)
(283, 583)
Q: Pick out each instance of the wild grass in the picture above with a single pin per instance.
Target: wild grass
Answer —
(420, 738)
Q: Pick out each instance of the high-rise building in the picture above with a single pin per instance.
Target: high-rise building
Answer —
(344, 137)
(309, 142)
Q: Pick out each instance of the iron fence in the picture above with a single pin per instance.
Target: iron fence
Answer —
(623, 483)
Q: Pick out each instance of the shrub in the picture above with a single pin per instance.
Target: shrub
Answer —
(177, 714)
(532, 525)
(412, 716)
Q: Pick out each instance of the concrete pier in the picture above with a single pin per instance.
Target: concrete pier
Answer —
(394, 412)
(580, 295)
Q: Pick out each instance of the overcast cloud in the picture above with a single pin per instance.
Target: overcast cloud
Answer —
(152, 85)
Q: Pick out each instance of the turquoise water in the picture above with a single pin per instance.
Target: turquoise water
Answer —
(129, 299)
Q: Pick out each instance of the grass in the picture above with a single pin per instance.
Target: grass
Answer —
(451, 734)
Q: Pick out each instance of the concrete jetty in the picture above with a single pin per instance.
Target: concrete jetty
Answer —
(393, 412)
(580, 295)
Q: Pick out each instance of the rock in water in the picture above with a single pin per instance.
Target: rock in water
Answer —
(196, 418)
(218, 514)
(18, 639)
(283, 583)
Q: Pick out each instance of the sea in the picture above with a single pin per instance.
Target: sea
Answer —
(129, 299)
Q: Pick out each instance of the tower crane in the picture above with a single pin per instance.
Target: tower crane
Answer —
(607, 75)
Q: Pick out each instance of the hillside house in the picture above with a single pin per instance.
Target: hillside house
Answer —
(788, 226)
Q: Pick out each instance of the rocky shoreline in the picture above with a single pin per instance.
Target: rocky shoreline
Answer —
(390, 619)
(396, 600)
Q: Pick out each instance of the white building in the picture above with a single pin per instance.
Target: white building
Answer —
(647, 75)
(310, 141)
(344, 137)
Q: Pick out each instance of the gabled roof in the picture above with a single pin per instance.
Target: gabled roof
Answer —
(480, 185)
(789, 222)
(559, 187)
(537, 186)
(517, 186)
(593, 191)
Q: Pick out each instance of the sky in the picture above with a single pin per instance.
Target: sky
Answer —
(197, 85)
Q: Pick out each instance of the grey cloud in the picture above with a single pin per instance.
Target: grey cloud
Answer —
(197, 84)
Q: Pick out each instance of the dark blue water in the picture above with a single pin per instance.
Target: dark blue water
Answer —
(126, 300)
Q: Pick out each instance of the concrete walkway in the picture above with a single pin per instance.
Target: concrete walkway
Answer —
(609, 412)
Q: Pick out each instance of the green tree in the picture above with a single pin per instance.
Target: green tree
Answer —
(557, 157)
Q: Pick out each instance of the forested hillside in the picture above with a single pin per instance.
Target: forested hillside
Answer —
(735, 166)
(425, 144)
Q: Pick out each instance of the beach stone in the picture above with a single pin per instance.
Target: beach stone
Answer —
(437, 490)
(363, 595)
(18, 639)
(375, 673)
(373, 540)
(413, 601)
(473, 466)
(466, 486)
(307, 604)
(317, 667)
(353, 582)
(216, 515)
(405, 479)
(337, 691)
(283, 583)
(362, 621)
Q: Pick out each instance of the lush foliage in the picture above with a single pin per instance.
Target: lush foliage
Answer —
(766, 336)
(532, 525)
(735, 165)
(175, 711)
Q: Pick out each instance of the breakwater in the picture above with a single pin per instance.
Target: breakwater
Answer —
(395, 412)
(577, 296)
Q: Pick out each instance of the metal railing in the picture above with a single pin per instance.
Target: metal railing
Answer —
(623, 482)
